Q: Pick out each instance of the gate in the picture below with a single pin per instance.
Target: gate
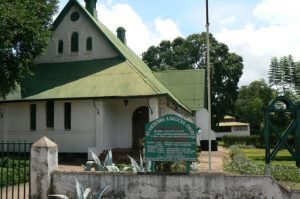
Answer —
(282, 105)
(15, 170)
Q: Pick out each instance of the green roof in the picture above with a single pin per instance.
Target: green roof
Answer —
(100, 78)
(188, 86)
(123, 76)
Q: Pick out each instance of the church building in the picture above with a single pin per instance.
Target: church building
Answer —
(90, 91)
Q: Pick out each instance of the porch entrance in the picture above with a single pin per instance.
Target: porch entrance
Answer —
(139, 118)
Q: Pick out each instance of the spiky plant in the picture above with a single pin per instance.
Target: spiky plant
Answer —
(140, 167)
(83, 193)
(107, 165)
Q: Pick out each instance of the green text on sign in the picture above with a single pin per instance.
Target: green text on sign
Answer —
(170, 138)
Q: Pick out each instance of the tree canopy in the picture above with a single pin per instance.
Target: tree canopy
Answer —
(190, 53)
(25, 29)
(250, 102)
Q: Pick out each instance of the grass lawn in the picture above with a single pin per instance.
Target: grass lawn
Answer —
(282, 158)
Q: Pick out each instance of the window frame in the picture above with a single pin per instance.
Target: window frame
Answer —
(74, 42)
(89, 44)
(67, 115)
(32, 117)
(60, 48)
(50, 114)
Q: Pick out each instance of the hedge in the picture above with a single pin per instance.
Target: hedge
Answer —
(254, 140)
(240, 164)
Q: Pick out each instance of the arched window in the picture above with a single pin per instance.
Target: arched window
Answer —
(74, 42)
(60, 47)
(89, 44)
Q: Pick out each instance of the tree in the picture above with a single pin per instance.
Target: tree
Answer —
(272, 71)
(285, 75)
(286, 71)
(190, 53)
(251, 99)
(25, 29)
(296, 77)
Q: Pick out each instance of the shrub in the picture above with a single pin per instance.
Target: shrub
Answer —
(14, 171)
(253, 140)
(240, 164)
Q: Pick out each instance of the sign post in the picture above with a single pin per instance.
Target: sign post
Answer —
(171, 138)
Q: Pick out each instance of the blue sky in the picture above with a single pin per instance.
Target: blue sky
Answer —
(255, 29)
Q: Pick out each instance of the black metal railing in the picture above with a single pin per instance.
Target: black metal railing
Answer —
(15, 170)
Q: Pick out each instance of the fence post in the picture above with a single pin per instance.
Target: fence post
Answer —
(44, 159)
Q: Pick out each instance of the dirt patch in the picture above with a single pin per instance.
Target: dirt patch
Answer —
(217, 160)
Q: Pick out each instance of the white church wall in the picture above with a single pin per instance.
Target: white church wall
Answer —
(100, 47)
(78, 139)
(119, 121)
(18, 117)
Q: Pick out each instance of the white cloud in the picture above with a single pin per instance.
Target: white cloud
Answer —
(140, 35)
(166, 29)
(278, 36)
(228, 20)
(278, 11)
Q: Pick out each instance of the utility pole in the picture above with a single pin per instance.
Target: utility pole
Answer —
(208, 88)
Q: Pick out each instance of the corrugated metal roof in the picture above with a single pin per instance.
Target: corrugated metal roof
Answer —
(233, 124)
(187, 86)
(100, 78)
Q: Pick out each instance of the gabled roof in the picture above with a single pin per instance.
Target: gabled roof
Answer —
(187, 86)
(104, 78)
(123, 76)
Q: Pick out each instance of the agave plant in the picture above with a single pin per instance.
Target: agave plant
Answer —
(83, 193)
(107, 165)
(194, 167)
(140, 167)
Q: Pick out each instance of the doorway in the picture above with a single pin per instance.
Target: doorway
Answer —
(139, 118)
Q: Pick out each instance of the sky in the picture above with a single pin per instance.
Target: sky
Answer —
(257, 30)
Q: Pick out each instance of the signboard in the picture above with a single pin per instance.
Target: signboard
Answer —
(170, 138)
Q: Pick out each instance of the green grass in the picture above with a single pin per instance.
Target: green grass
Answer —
(282, 158)
(250, 161)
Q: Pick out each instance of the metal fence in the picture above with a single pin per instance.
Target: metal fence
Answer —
(15, 170)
